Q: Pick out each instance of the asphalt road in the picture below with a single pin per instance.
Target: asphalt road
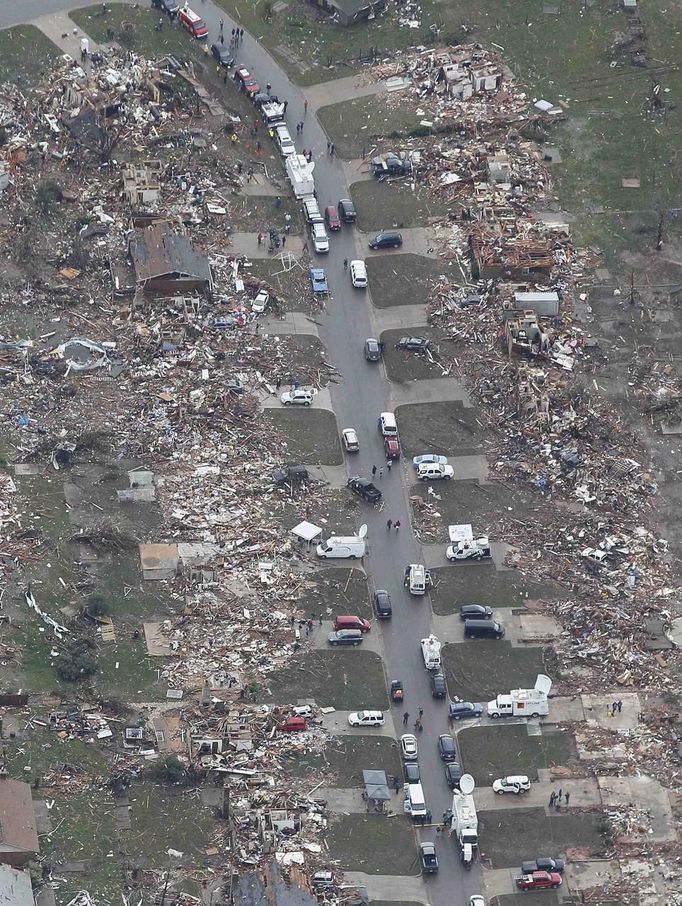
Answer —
(357, 401)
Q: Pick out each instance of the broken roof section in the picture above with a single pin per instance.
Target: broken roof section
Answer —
(18, 834)
(266, 888)
(166, 261)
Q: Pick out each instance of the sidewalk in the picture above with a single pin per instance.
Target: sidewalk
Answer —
(62, 31)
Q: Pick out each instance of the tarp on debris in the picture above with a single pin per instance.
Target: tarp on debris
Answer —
(376, 785)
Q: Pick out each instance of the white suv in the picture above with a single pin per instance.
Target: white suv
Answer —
(319, 236)
(434, 471)
(518, 784)
(358, 274)
(366, 719)
(297, 398)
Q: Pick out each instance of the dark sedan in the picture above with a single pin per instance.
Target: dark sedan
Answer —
(447, 748)
(411, 771)
(222, 55)
(438, 688)
(475, 612)
(464, 710)
(453, 774)
(382, 604)
(543, 864)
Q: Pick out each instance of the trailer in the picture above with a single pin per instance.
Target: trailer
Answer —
(523, 702)
(300, 174)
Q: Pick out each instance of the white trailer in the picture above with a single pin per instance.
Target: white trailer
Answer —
(431, 652)
(464, 823)
(300, 174)
(523, 702)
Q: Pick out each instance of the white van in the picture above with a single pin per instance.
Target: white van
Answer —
(311, 210)
(284, 141)
(339, 547)
(366, 719)
(415, 802)
(387, 424)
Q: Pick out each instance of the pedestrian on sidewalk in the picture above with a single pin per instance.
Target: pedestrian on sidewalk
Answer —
(298, 128)
(278, 200)
(301, 127)
(619, 705)
(311, 625)
(429, 817)
(608, 711)
(396, 783)
(397, 524)
(614, 708)
(374, 471)
(241, 33)
(389, 523)
(566, 797)
(389, 464)
(320, 619)
(406, 717)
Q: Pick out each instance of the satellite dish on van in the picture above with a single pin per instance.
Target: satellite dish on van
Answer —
(467, 784)
(362, 533)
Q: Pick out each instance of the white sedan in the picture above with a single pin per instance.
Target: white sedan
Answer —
(408, 747)
(350, 440)
(427, 459)
(260, 303)
(358, 274)
(318, 234)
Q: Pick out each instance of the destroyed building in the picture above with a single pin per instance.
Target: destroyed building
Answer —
(350, 12)
(165, 261)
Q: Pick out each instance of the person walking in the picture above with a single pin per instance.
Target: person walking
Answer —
(396, 524)
(552, 799)
(305, 107)
(284, 240)
(389, 523)
(241, 34)
(406, 717)
(396, 783)
(389, 464)
(260, 242)
(429, 817)
(374, 471)
(320, 619)
(614, 708)
(559, 795)
(300, 125)
(332, 149)
(608, 711)
(278, 201)
(345, 264)
(619, 705)
(310, 625)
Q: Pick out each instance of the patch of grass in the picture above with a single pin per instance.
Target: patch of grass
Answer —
(256, 213)
(401, 365)
(26, 55)
(481, 583)
(43, 751)
(449, 429)
(346, 757)
(311, 437)
(381, 205)
(508, 837)
(505, 668)
(337, 591)
(167, 818)
(371, 844)
(355, 125)
(402, 279)
(492, 752)
(346, 680)
(134, 29)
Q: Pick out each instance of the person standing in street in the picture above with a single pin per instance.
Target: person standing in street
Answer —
(381, 472)
(305, 107)
(374, 471)
(566, 797)
(389, 523)
(389, 464)
(397, 524)
(406, 717)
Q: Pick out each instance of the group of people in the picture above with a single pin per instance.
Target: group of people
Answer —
(555, 798)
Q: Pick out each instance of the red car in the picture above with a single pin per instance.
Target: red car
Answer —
(392, 447)
(351, 622)
(331, 218)
(293, 725)
(539, 880)
(246, 81)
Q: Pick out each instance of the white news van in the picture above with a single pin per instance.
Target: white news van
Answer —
(300, 174)
(351, 547)
(415, 802)
(523, 702)
(431, 653)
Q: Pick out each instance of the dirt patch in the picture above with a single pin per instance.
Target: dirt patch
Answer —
(402, 279)
(382, 204)
(258, 212)
(336, 592)
(311, 437)
(481, 669)
(509, 837)
(445, 428)
(401, 365)
(346, 757)
(346, 680)
(492, 752)
(481, 583)
(374, 845)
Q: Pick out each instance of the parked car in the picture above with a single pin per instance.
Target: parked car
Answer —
(318, 280)
(391, 448)
(358, 274)
(408, 747)
(346, 210)
(413, 344)
(539, 880)
(297, 397)
(293, 725)
(260, 303)
(429, 859)
(192, 22)
(350, 440)
(319, 238)
(222, 55)
(244, 79)
(351, 622)
(464, 710)
(447, 748)
(516, 784)
(438, 687)
(382, 604)
(434, 472)
(411, 772)
(346, 637)
(387, 239)
(475, 612)
(453, 774)
(169, 7)
(364, 488)
(483, 629)
(391, 165)
(476, 900)
(543, 864)
(331, 218)
(373, 349)
(366, 719)
(427, 459)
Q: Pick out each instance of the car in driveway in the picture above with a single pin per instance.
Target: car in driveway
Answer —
(351, 637)
(435, 472)
(475, 612)
(413, 344)
(543, 864)
(298, 397)
(411, 772)
(366, 719)
(539, 880)
(346, 210)
(222, 55)
(515, 784)
(438, 687)
(408, 747)
(387, 239)
(358, 274)
(427, 459)
(391, 448)
(373, 350)
(464, 710)
(319, 238)
(318, 281)
(453, 774)
(382, 604)
(364, 488)
(447, 748)
(260, 303)
(349, 437)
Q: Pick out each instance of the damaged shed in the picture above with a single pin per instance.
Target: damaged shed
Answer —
(166, 261)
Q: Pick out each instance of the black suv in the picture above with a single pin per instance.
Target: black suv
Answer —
(364, 488)
(382, 604)
(387, 239)
(222, 55)
(463, 710)
(438, 689)
(346, 210)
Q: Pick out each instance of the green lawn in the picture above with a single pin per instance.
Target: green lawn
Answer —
(26, 54)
